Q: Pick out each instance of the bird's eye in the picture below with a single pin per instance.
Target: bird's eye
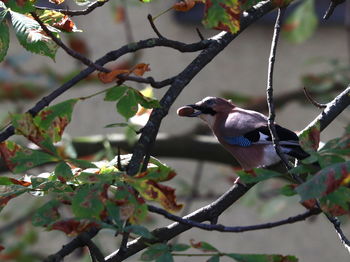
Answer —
(210, 102)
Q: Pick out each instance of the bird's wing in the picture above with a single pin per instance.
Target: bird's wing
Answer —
(261, 135)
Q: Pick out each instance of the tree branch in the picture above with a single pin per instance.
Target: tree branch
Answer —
(166, 233)
(269, 90)
(69, 51)
(237, 229)
(86, 11)
(218, 43)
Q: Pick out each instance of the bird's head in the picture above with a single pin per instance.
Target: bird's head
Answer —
(207, 108)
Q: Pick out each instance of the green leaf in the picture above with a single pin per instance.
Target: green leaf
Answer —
(154, 251)
(165, 257)
(117, 125)
(257, 175)
(139, 230)
(310, 138)
(302, 23)
(325, 181)
(82, 163)
(261, 258)
(5, 181)
(204, 246)
(46, 214)
(340, 197)
(215, 258)
(4, 35)
(288, 190)
(31, 37)
(20, 159)
(127, 106)
(63, 172)
(9, 192)
(55, 118)
(86, 203)
(116, 92)
(223, 15)
(144, 101)
(113, 212)
(22, 7)
(180, 247)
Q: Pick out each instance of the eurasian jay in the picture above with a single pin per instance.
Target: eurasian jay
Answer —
(244, 133)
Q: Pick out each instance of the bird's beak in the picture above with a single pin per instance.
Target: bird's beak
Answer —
(197, 110)
(189, 111)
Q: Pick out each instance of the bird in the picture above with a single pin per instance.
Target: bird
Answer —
(244, 133)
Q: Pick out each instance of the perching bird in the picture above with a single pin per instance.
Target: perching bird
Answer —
(244, 133)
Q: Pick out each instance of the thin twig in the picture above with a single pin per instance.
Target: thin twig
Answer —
(201, 37)
(94, 250)
(125, 239)
(149, 80)
(312, 100)
(69, 51)
(269, 91)
(238, 229)
(332, 5)
(150, 19)
(86, 11)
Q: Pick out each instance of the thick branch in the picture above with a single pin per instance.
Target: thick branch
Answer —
(166, 233)
(86, 11)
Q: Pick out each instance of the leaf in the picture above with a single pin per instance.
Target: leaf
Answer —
(180, 247)
(184, 5)
(157, 171)
(144, 101)
(257, 175)
(4, 36)
(113, 212)
(54, 119)
(309, 139)
(19, 159)
(215, 258)
(46, 214)
(150, 190)
(66, 25)
(139, 230)
(165, 257)
(112, 76)
(115, 93)
(127, 105)
(117, 125)
(223, 15)
(203, 246)
(154, 251)
(63, 172)
(31, 36)
(73, 227)
(9, 192)
(325, 181)
(302, 23)
(87, 203)
(288, 190)
(337, 202)
(25, 126)
(261, 258)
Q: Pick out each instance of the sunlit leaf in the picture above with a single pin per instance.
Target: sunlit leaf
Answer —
(4, 35)
(325, 181)
(223, 15)
(31, 36)
(257, 175)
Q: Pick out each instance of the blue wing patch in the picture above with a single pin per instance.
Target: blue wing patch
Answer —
(238, 141)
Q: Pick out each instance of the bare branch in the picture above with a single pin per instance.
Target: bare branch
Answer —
(238, 229)
(269, 90)
(155, 29)
(69, 51)
(148, 80)
(332, 5)
(201, 37)
(86, 11)
(312, 100)
(94, 250)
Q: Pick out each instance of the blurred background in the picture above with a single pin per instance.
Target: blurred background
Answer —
(319, 62)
